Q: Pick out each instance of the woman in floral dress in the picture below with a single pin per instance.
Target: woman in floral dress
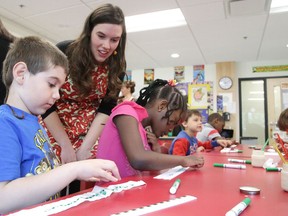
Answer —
(97, 60)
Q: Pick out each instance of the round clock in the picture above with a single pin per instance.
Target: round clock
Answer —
(225, 82)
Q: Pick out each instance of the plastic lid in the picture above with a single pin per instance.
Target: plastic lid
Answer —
(249, 190)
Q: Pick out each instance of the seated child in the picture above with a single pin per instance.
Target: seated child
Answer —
(186, 143)
(30, 173)
(125, 141)
(212, 128)
(282, 124)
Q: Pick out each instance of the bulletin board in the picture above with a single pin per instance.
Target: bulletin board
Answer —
(199, 96)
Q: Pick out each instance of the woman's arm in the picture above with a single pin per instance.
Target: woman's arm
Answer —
(23, 192)
(92, 136)
(55, 127)
(141, 159)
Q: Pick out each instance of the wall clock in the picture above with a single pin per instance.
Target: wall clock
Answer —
(225, 82)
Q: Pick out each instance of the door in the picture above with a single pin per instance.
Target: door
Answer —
(277, 100)
(252, 111)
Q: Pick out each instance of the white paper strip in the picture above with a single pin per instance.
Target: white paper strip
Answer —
(96, 194)
(171, 173)
(156, 207)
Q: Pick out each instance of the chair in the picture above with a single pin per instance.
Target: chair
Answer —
(227, 133)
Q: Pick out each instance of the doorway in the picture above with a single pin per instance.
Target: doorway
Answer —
(261, 102)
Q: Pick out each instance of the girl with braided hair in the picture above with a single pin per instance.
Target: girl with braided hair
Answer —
(125, 141)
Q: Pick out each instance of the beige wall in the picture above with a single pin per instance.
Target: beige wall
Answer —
(228, 69)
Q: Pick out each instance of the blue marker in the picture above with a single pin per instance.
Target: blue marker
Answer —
(175, 186)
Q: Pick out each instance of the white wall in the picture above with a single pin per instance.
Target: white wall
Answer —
(244, 69)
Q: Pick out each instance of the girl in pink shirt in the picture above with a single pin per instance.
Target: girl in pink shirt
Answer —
(125, 141)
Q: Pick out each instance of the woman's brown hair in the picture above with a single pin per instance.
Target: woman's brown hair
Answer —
(81, 59)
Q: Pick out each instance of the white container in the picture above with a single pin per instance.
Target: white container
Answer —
(284, 177)
(257, 158)
(273, 155)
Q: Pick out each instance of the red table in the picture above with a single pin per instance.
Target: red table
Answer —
(216, 189)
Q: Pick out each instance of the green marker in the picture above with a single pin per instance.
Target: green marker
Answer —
(239, 161)
(240, 207)
(273, 169)
(233, 166)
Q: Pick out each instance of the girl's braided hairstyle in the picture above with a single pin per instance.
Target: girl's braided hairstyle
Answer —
(160, 89)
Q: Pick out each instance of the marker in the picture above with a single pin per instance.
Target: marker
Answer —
(234, 166)
(175, 186)
(273, 169)
(239, 161)
(236, 210)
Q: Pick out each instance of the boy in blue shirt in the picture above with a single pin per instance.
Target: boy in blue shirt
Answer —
(186, 143)
(33, 72)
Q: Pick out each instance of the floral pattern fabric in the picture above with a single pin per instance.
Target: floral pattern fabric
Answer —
(77, 113)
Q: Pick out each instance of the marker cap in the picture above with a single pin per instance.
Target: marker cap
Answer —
(218, 165)
(247, 201)
(272, 169)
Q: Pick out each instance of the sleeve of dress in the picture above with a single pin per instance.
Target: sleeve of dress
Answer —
(108, 104)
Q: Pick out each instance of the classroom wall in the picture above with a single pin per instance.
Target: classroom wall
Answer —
(240, 70)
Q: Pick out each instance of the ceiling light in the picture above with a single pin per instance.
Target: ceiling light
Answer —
(175, 55)
(155, 20)
(278, 6)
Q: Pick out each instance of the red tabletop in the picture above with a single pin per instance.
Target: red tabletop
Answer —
(216, 189)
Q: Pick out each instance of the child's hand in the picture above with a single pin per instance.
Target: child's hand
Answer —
(224, 143)
(200, 149)
(153, 141)
(194, 162)
(97, 170)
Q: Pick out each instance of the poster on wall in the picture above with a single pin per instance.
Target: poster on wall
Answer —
(204, 114)
(199, 96)
(183, 88)
(220, 104)
(148, 76)
(198, 74)
(128, 75)
(179, 73)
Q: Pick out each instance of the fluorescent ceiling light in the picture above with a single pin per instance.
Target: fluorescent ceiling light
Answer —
(175, 55)
(155, 20)
(278, 6)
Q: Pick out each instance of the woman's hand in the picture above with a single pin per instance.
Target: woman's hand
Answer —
(67, 154)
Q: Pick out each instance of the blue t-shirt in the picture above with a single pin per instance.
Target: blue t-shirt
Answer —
(24, 145)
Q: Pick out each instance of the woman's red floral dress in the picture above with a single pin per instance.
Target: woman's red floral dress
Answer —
(77, 114)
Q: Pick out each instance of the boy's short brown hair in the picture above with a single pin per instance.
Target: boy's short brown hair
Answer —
(283, 120)
(189, 113)
(39, 55)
